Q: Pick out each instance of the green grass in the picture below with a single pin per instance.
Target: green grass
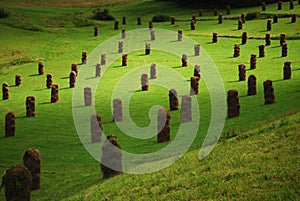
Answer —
(58, 35)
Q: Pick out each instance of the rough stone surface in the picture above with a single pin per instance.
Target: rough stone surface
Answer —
(253, 61)
(186, 109)
(124, 20)
(233, 104)
(236, 50)
(275, 18)
(103, 59)
(120, 46)
(153, 74)
(180, 35)
(244, 38)
(184, 60)
(228, 10)
(261, 50)
(193, 25)
(197, 49)
(10, 124)
(41, 68)
(215, 37)
(194, 86)
(197, 71)
(240, 24)
(87, 96)
(18, 80)
(287, 70)
(150, 25)
(173, 99)
(5, 91)
(152, 34)
(294, 18)
(263, 6)
(269, 25)
(116, 26)
(74, 67)
(96, 128)
(282, 39)
(54, 93)
(200, 12)
(284, 50)
(220, 18)
(96, 31)
(124, 59)
(242, 72)
(123, 33)
(98, 70)
(172, 20)
(163, 125)
(269, 92)
(251, 85)
(117, 112)
(139, 20)
(268, 39)
(279, 7)
(32, 161)
(49, 81)
(72, 79)
(147, 48)
(145, 82)
(30, 106)
(243, 18)
(291, 4)
(84, 57)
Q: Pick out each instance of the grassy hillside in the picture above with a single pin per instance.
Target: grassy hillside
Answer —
(57, 34)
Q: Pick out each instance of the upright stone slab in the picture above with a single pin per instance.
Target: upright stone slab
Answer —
(139, 20)
(172, 20)
(41, 68)
(111, 159)
(291, 4)
(18, 80)
(186, 109)
(84, 57)
(240, 24)
(124, 59)
(269, 92)
(54, 93)
(194, 17)
(96, 31)
(120, 46)
(243, 18)
(233, 104)
(236, 50)
(253, 61)
(200, 13)
(268, 39)
(145, 82)
(150, 24)
(216, 11)
(251, 85)
(10, 124)
(244, 38)
(96, 128)
(5, 91)
(32, 161)
(242, 72)
(184, 60)
(49, 80)
(284, 50)
(103, 59)
(194, 86)
(123, 33)
(163, 125)
(220, 18)
(193, 25)
(153, 71)
(152, 35)
(261, 50)
(173, 99)
(263, 6)
(74, 67)
(197, 71)
(269, 25)
(279, 7)
(282, 39)
(228, 10)
(87, 96)
(294, 18)
(147, 48)
(98, 70)
(275, 18)
(124, 20)
(72, 78)
(117, 111)
(215, 37)
(197, 49)
(30, 106)
(180, 35)
(287, 70)
(116, 26)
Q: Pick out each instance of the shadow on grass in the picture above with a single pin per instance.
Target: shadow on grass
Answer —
(65, 88)
(63, 78)
(277, 46)
(22, 117)
(278, 80)
(119, 66)
(178, 67)
(90, 78)
(233, 81)
(44, 103)
(41, 89)
(33, 75)
(296, 69)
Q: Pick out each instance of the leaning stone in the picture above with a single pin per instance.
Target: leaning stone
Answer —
(32, 161)
(10, 124)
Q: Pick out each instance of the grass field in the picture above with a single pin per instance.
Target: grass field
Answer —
(57, 34)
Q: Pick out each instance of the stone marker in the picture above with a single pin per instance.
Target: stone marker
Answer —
(268, 39)
(96, 31)
(163, 125)
(172, 20)
(228, 10)
(74, 67)
(282, 39)
(124, 20)
(96, 128)
(194, 17)
(54, 93)
(153, 71)
(18, 80)
(194, 86)
(49, 80)
(5, 91)
(193, 25)
(144, 82)
(291, 4)
(103, 59)
(32, 161)
(240, 24)
(41, 68)
(233, 104)
(284, 50)
(186, 109)
(117, 111)
(87, 96)
(287, 70)
(124, 59)
(184, 60)
(121, 47)
(261, 50)
(197, 49)
(220, 18)
(98, 70)
(123, 33)
(279, 7)
(152, 34)
(251, 85)
(275, 18)
(269, 92)
(150, 25)
(253, 61)
(116, 27)
(197, 71)
(139, 20)
(84, 57)
(10, 124)
(294, 17)
(216, 11)
(72, 79)
(30, 106)
(215, 37)
(200, 12)
(147, 48)
(269, 25)
(263, 6)
(244, 38)
(17, 181)
(236, 50)
(111, 159)
(173, 99)
(180, 35)
(243, 18)
(242, 72)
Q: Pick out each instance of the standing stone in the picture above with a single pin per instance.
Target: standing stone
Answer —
(197, 49)
(180, 35)
(116, 27)
(294, 17)
(117, 112)
(172, 20)
(244, 38)
(49, 80)
(17, 181)
(98, 70)
(74, 67)
(200, 13)
(279, 7)
(194, 18)
(144, 82)
(243, 18)
(173, 99)
(253, 61)
(287, 70)
(228, 10)
(124, 59)
(268, 39)
(84, 57)
(233, 104)
(87, 96)
(284, 50)
(152, 34)
(186, 109)
(194, 86)
(251, 85)
(275, 18)
(72, 79)
(32, 161)
(269, 92)
(236, 50)
(184, 60)
(153, 71)
(215, 37)
(147, 48)
(139, 20)
(54, 93)
(96, 128)
(197, 71)
(18, 80)
(120, 46)
(30, 106)
(96, 31)
(242, 72)
(103, 59)
(193, 25)
(123, 33)
(124, 20)
(150, 25)
(216, 11)
(282, 39)
(261, 50)
(263, 6)
(10, 124)
(163, 125)
(291, 4)
(269, 25)
(240, 24)
(111, 159)
(41, 68)
(5, 91)
(220, 19)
